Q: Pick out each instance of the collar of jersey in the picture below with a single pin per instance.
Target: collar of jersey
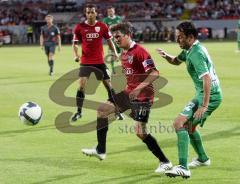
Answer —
(89, 24)
(194, 43)
(112, 17)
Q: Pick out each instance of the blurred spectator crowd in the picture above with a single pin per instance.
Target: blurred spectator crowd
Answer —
(216, 9)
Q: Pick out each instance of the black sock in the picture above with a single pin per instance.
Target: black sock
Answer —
(154, 148)
(50, 62)
(111, 94)
(79, 100)
(102, 128)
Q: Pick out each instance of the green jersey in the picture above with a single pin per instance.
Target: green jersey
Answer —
(112, 20)
(198, 64)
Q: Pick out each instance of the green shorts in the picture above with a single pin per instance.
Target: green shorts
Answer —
(192, 106)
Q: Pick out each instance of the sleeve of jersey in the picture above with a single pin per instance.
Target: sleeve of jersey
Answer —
(199, 64)
(182, 56)
(76, 34)
(106, 34)
(147, 61)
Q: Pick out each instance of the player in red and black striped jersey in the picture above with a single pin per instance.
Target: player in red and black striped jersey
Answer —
(140, 71)
(91, 34)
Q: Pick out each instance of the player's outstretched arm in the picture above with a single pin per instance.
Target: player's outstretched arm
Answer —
(171, 59)
(113, 48)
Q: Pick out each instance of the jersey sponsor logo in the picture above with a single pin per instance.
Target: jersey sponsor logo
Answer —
(97, 29)
(130, 59)
(147, 62)
(128, 71)
(92, 35)
(52, 33)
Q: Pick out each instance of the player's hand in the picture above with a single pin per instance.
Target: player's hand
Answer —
(199, 113)
(115, 57)
(134, 94)
(161, 52)
(76, 59)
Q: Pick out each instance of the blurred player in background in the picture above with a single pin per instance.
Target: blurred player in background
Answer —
(207, 99)
(138, 96)
(110, 20)
(49, 38)
(91, 33)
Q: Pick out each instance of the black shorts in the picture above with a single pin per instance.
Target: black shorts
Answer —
(49, 49)
(100, 70)
(140, 110)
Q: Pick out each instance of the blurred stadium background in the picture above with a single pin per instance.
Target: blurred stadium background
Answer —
(154, 20)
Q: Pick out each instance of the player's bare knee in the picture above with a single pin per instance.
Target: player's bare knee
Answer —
(101, 112)
(179, 122)
(141, 135)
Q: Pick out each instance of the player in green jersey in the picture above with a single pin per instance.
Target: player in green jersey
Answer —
(110, 20)
(238, 35)
(207, 98)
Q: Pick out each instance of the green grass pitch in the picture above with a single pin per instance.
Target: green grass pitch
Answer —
(42, 154)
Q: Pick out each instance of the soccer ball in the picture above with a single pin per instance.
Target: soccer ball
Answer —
(30, 113)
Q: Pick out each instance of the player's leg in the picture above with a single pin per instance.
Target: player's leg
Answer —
(103, 111)
(197, 144)
(47, 51)
(112, 60)
(182, 143)
(153, 146)
(51, 58)
(103, 118)
(80, 96)
(140, 112)
(195, 136)
(108, 85)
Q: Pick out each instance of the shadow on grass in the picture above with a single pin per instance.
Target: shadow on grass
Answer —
(12, 133)
(27, 82)
(167, 143)
(58, 178)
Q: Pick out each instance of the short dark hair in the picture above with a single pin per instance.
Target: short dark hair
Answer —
(188, 29)
(124, 28)
(90, 6)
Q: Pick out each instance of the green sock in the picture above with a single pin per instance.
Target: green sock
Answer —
(196, 142)
(183, 141)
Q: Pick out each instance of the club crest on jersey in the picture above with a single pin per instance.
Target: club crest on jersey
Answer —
(97, 29)
(130, 59)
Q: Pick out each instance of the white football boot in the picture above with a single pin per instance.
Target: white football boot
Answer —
(163, 166)
(196, 163)
(178, 171)
(93, 152)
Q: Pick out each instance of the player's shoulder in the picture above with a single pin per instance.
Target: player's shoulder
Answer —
(140, 49)
(101, 24)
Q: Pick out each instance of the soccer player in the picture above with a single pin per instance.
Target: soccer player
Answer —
(49, 37)
(207, 99)
(91, 33)
(138, 95)
(110, 20)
